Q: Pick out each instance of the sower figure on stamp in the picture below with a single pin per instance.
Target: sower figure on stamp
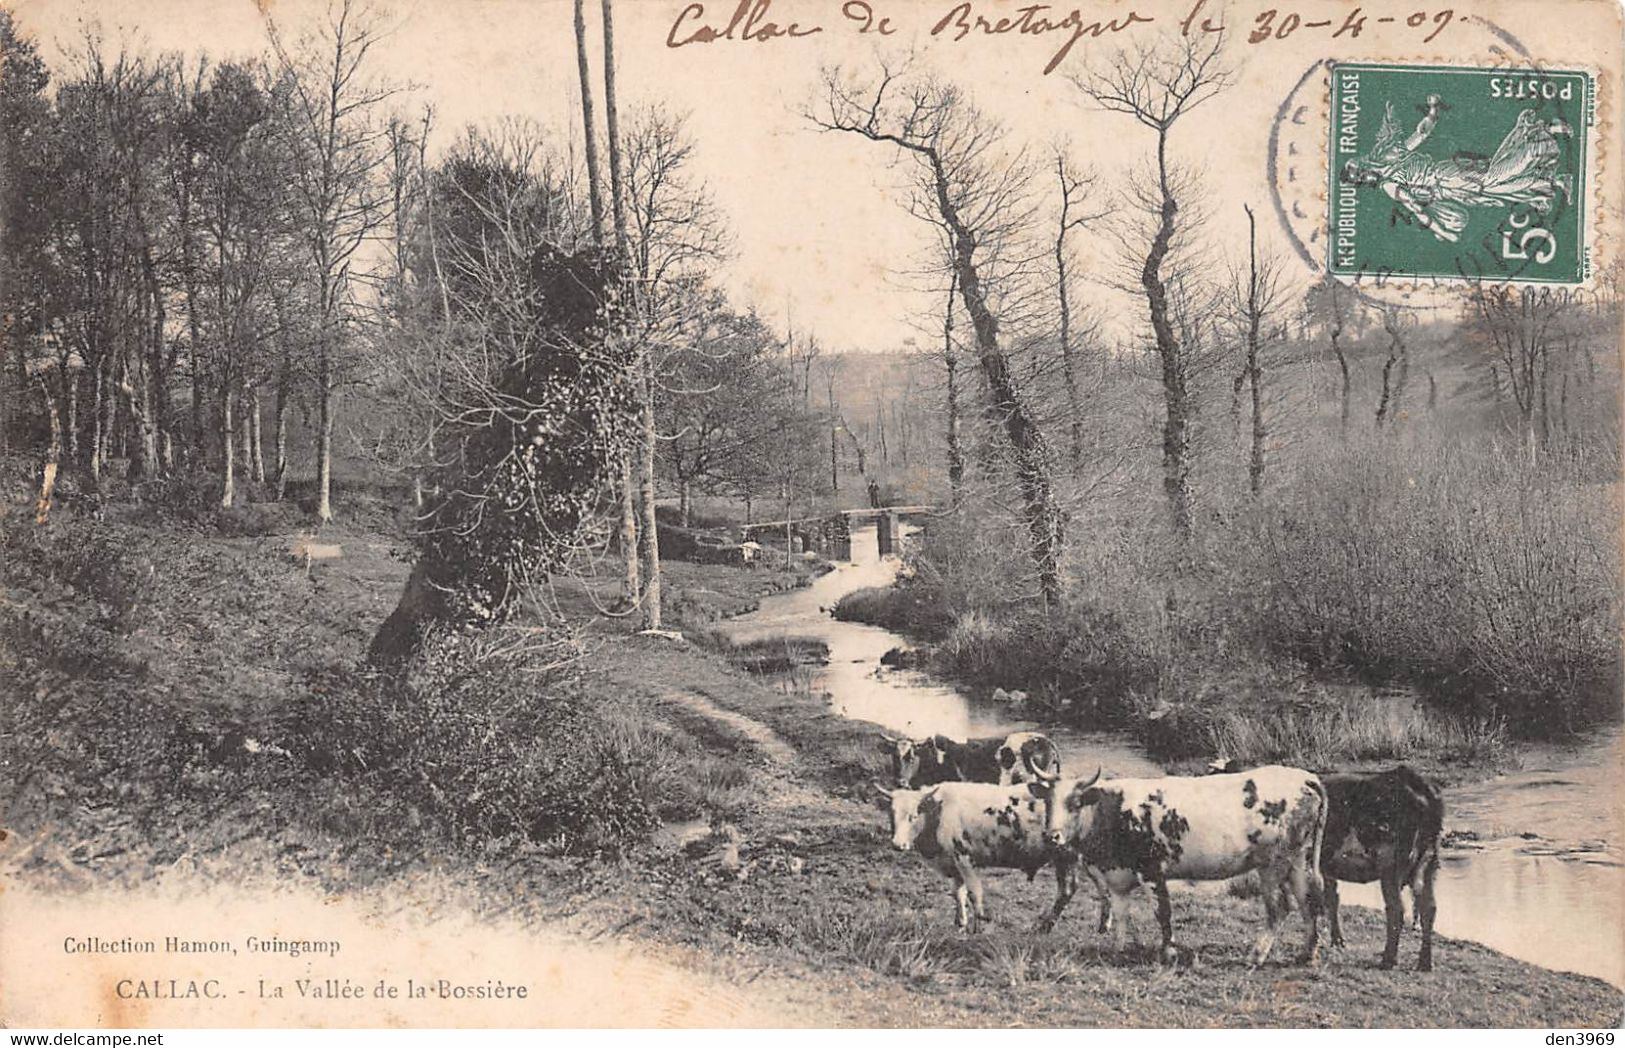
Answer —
(1437, 193)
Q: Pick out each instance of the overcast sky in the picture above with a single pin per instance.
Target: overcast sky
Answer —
(818, 226)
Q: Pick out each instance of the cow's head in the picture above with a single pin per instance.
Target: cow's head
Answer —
(908, 757)
(1067, 806)
(1033, 760)
(904, 806)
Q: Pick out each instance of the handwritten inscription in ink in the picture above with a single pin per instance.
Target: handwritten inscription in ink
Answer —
(1065, 27)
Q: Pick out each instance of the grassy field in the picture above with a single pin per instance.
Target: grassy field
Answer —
(153, 677)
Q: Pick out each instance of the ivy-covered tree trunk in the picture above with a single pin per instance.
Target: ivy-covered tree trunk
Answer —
(1176, 438)
(527, 488)
(950, 360)
(631, 585)
(1045, 523)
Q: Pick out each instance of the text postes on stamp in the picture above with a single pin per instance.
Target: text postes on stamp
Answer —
(1458, 173)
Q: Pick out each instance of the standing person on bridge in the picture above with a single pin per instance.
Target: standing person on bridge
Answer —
(874, 494)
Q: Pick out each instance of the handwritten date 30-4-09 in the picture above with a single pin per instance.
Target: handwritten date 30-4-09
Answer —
(751, 20)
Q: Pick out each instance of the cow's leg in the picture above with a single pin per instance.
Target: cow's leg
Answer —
(1066, 884)
(1393, 905)
(1426, 909)
(968, 894)
(1104, 898)
(1165, 920)
(1270, 880)
(1308, 891)
(1112, 904)
(1331, 911)
(962, 915)
(976, 886)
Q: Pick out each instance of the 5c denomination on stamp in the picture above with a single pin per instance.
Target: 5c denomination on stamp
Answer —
(1458, 173)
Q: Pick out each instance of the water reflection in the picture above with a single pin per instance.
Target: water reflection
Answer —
(900, 701)
(1543, 881)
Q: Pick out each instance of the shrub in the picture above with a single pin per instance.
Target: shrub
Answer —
(770, 654)
(95, 749)
(477, 741)
(87, 569)
(1493, 586)
(1104, 668)
(908, 607)
(253, 520)
(153, 689)
(179, 498)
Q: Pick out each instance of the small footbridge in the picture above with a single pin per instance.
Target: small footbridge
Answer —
(831, 533)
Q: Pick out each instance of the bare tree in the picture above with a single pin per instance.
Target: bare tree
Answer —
(979, 194)
(1329, 303)
(1073, 184)
(236, 133)
(802, 352)
(722, 402)
(337, 140)
(673, 235)
(25, 187)
(631, 580)
(525, 401)
(1393, 382)
(1521, 327)
(831, 372)
(1256, 298)
(590, 138)
(644, 376)
(1157, 85)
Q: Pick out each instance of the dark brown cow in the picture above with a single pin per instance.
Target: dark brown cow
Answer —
(1003, 759)
(1382, 826)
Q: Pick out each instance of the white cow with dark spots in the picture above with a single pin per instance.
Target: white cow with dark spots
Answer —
(1270, 819)
(962, 828)
(1381, 826)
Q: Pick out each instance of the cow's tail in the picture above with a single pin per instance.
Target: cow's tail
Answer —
(1317, 839)
(1425, 846)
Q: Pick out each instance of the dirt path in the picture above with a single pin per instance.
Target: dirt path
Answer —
(760, 735)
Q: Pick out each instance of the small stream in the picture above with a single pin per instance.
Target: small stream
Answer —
(1534, 867)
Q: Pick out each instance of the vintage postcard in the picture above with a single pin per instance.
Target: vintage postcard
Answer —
(762, 513)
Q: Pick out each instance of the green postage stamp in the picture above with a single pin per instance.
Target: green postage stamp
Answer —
(1456, 173)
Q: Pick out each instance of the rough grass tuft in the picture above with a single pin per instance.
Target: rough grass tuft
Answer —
(1355, 729)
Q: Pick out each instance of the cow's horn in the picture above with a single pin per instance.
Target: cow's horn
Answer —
(1044, 775)
(1094, 779)
(880, 789)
